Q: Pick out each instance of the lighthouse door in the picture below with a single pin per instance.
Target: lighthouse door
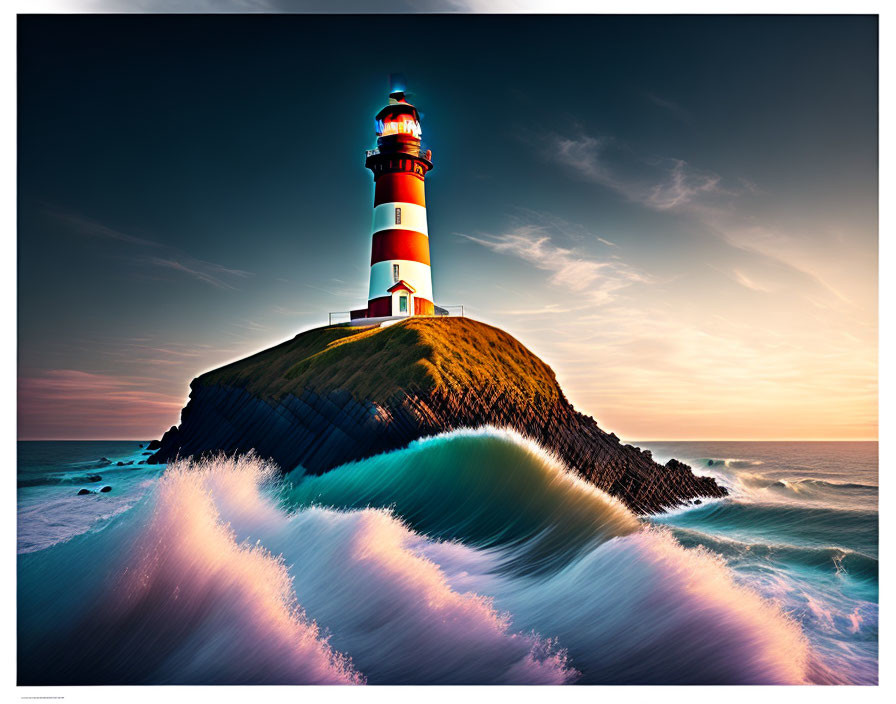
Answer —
(402, 302)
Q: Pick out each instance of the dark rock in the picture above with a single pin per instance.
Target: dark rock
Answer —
(697, 502)
(140, 445)
(257, 404)
(320, 432)
(709, 463)
(129, 462)
(120, 464)
(154, 445)
(106, 489)
(148, 453)
(94, 478)
(84, 491)
(142, 462)
(105, 460)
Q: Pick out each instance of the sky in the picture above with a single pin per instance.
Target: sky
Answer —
(678, 214)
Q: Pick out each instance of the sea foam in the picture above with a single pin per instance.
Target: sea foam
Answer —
(429, 565)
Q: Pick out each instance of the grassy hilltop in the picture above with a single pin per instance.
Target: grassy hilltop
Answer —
(373, 363)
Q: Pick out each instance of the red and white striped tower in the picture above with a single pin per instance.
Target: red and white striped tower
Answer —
(400, 274)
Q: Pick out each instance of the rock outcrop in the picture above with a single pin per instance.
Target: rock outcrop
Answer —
(337, 394)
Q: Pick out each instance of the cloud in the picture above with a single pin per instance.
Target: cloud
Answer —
(340, 290)
(597, 279)
(549, 309)
(291, 312)
(92, 228)
(696, 374)
(659, 183)
(212, 274)
(169, 258)
(673, 108)
(247, 324)
(747, 282)
(759, 362)
(795, 252)
(672, 185)
(680, 186)
(73, 403)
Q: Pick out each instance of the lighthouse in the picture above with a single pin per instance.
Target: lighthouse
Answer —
(400, 274)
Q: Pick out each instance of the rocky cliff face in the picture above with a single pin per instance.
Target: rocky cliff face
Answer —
(333, 395)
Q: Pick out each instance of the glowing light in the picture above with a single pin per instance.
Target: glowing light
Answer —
(402, 126)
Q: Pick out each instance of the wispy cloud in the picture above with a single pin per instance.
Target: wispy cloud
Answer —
(695, 374)
(74, 403)
(797, 253)
(207, 272)
(738, 276)
(93, 228)
(339, 289)
(670, 106)
(290, 312)
(168, 258)
(248, 324)
(749, 283)
(673, 185)
(575, 271)
(680, 185)
(549, 309)
(659, 183)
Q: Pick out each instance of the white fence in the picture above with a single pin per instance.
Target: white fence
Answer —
(345, 316)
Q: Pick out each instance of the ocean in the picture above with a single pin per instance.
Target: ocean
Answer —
(467, 558)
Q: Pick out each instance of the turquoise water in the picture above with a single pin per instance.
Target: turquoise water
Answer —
(50, 475)
(801, 526)
(472, 557)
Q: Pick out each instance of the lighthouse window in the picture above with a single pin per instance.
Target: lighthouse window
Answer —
(395, 272)
(398, 216)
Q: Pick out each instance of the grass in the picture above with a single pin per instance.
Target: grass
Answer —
(377, 364)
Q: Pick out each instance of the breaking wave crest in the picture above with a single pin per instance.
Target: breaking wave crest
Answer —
(188, 597)
(427, 565)
(486, 488)
(166, 595)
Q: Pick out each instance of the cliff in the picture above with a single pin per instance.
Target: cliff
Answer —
(337, 394)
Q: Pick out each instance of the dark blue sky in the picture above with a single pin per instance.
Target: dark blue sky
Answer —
(191, 188)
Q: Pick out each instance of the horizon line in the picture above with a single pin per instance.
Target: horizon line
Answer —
(621, 440)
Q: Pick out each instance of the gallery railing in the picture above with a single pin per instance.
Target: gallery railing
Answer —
(412, 150)
(345, 316)
(339, 317)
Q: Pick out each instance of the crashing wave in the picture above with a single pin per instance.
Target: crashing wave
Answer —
(431, 564)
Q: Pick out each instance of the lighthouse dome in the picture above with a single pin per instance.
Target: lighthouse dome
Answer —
(398, 118)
